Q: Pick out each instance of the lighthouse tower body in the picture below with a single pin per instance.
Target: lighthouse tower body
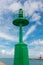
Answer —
(21, 49)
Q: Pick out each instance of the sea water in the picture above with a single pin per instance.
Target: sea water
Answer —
(36, 62)
(9, 61)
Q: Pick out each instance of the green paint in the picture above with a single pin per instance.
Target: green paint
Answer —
(20, 34)
(21, 54)
(21, 49)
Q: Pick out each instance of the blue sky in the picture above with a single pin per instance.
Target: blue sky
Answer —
(32, 34)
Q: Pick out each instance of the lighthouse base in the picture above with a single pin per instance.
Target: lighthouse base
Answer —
(21, 55)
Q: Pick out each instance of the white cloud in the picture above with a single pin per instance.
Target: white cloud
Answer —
(3, 51)
(31, 7)
(2, 46)
(6, 2)
(28, 7)
(8, 37)
(37, 42)
(6, 53)
(32, 28)
(37, 50)
(34, 53)
(15, 6)
(41, 53)
(39, 23)
(10, 52)
(35, 17)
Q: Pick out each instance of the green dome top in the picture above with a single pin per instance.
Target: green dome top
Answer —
(20, 19)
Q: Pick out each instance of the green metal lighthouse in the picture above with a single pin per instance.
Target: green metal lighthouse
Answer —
(21, 50)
